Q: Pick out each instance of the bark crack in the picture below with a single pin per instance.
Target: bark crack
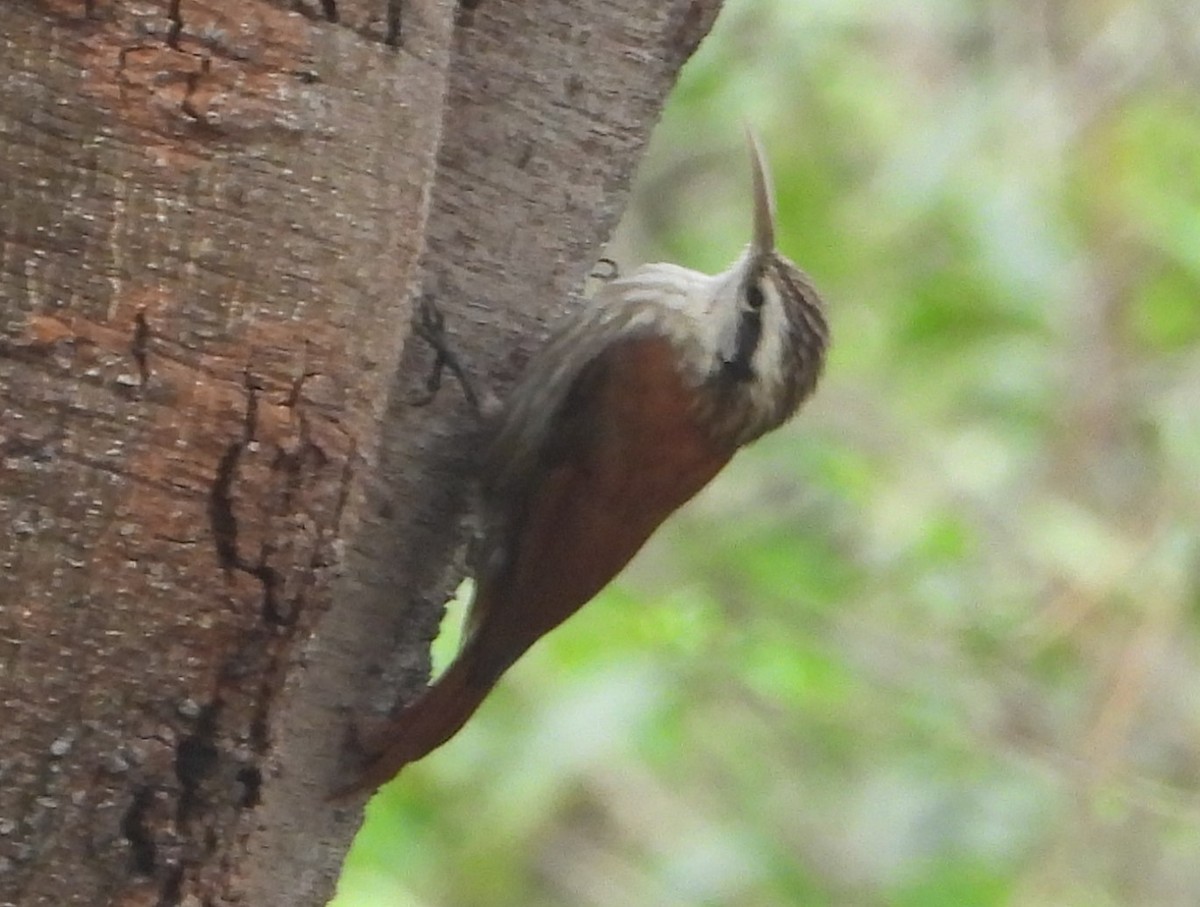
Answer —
(221, 514)
(250, 778)
(465, 15)
(175, 28)
(392, 37)
(139, 347)
(172, 888)
(136, 831)
(220, 509)
(191, 83)
(293, 462)
(270, 580)
(196, 759)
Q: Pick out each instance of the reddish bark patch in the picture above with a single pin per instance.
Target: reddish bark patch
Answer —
(189, 74)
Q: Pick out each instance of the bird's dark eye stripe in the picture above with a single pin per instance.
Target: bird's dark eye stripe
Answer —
(754, 296)
(749, 331)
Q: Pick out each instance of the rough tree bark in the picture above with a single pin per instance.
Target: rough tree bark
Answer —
(222, 530)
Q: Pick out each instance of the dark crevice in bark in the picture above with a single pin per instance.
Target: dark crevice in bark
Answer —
(250, 778)
(392, 37)
(196, 759)
(220, 499)
(142, 848)
(139, 347)
(172, 888)
(294, 464)
(328, 12)
(270, 580)
(175, 29)
(220, 507)
(250, 422)
(465, 15)
(259, 733)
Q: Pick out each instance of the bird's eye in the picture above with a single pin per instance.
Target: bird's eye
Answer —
(754, 296)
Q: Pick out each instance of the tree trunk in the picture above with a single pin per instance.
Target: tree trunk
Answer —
(223, 529)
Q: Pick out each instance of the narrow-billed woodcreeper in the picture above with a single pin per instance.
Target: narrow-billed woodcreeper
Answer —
(637, 402)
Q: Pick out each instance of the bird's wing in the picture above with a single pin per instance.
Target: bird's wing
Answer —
(625, 451)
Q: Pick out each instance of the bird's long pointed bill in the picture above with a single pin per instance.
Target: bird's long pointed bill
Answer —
(764, 197)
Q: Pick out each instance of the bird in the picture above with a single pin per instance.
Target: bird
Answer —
(637, 401)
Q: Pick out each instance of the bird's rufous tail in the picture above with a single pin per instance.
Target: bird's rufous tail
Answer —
(424, 725)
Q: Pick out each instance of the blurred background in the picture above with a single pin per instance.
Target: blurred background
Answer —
(938, 641)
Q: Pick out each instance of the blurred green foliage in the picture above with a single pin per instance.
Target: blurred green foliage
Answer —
(938, 641)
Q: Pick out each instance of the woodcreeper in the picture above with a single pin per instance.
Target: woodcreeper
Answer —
(640, 398)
